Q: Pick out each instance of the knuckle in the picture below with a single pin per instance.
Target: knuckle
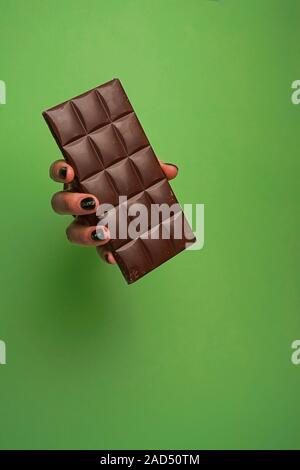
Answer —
(53, 201)
(68, 233)
(51, 171)
(53, 166)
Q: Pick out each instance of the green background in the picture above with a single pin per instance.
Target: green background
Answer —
(198, 353)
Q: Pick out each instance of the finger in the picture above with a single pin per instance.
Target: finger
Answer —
(106, 255)
(169, 169)
(61, 172)
(65, 202)
(87, 236)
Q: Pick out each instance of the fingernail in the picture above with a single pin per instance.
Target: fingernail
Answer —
(63, 172)
(98, 235)
(88, 203)
(172, 164)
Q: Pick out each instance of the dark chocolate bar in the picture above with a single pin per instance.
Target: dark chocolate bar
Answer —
(99, 134)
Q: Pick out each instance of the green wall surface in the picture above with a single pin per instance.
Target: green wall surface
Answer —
(196, 355)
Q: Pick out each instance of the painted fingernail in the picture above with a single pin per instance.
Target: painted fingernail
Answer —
(88, 203)
(98, 235)
(172, 164)
(63, 172)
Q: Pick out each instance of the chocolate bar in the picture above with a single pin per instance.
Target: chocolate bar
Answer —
(100, 135)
